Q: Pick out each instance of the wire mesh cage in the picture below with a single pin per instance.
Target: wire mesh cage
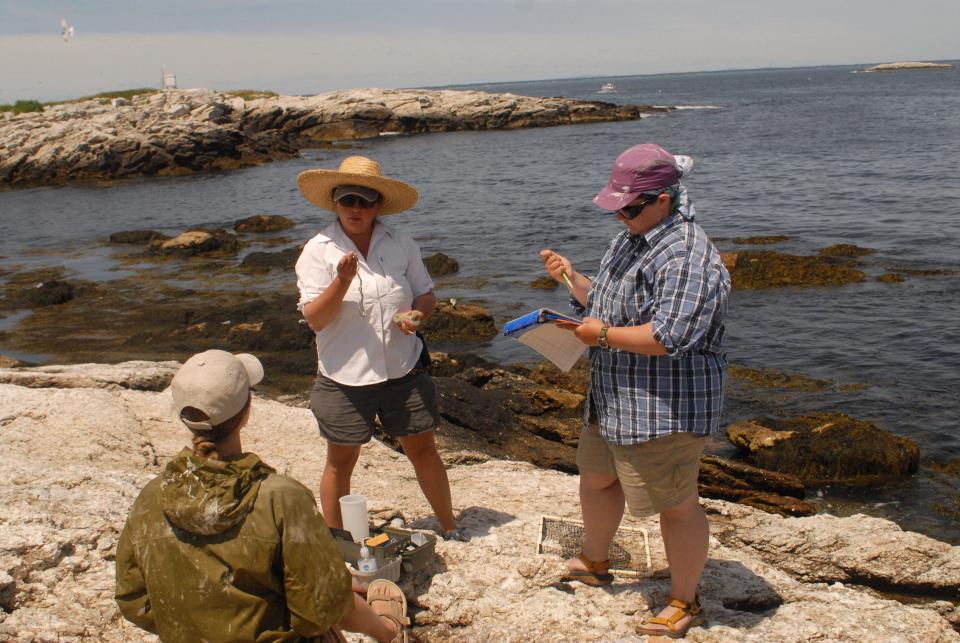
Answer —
(629, 551)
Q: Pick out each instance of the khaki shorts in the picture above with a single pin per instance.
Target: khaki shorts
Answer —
(655, 475)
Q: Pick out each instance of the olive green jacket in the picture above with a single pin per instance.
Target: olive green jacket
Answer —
(229, 551)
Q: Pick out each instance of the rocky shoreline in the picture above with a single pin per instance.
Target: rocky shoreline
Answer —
(521, 412)
(778, 567)
(184, 131)
(80, 441)
(906, 66)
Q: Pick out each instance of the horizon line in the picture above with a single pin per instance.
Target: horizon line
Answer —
(570, 78)
(696, 71)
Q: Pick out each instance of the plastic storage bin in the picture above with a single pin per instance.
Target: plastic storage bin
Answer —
(389, 570)
(383, 554)
(416, 559)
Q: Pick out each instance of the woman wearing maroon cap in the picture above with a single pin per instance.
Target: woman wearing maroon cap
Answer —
(653, 319)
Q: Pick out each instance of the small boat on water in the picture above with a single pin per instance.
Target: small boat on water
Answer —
(607, 88)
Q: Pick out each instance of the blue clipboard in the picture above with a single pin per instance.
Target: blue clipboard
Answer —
(540, 316)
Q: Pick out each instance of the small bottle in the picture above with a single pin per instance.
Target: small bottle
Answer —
(367, 563)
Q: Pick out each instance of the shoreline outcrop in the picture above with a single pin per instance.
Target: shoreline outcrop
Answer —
(184, 131)
(906, 65)
(825, 448)
(79, 443)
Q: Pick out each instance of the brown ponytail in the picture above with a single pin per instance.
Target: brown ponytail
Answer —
(204, 442)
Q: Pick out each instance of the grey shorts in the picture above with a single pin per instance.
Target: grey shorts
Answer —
(345, 414)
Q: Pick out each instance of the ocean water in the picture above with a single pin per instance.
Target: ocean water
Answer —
(823, 155)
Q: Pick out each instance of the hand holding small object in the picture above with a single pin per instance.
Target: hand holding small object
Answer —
(347, 266)
(408, 321)
(558, 266)
(588, 331)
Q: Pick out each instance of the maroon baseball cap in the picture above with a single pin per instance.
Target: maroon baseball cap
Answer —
(642, 168)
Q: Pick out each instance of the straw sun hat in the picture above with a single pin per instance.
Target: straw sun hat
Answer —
(318, 185)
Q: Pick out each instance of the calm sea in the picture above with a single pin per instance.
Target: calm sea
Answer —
(823, 155)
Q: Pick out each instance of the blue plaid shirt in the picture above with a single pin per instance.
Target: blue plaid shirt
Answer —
(671, 276)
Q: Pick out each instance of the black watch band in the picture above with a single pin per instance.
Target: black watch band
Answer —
(602, 340)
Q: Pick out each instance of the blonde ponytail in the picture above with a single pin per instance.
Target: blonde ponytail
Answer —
(204, 442)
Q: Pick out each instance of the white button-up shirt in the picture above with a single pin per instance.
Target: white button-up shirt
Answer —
(357, 350)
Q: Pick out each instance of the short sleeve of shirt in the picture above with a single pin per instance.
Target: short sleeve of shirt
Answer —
(314, 272)
(417, 275)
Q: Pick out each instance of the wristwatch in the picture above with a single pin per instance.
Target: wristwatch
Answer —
(602, 340)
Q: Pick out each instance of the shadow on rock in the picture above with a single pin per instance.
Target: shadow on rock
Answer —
(732, 594)
(476, 521)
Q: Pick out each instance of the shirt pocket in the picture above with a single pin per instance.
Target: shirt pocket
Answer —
(396, 295)
(394, 262)
(632, 303)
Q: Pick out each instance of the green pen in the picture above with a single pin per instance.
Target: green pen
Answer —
(567, 279)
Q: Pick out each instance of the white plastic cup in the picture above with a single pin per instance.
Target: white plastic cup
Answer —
(353, 510)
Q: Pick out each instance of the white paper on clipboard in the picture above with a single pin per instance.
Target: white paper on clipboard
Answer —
(556, 344)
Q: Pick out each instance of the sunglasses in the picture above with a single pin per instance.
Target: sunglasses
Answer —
(631, 212)
(356, 201)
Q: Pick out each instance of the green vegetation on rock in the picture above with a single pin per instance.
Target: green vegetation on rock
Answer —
(251, 94)
(762, 241)
(767, 269)
(776, 379)
(846, 250)
(825, 448)
(22, 106)
(105, 97)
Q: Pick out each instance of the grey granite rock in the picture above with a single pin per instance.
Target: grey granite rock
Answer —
(907, 65)
(73, 459)
(175, 132)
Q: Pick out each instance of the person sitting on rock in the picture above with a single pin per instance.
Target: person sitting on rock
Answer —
(654, 319)
(364, 291)
(221, 547)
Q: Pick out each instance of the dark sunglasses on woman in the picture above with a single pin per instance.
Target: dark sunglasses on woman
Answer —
(355, 201)
(633, 211)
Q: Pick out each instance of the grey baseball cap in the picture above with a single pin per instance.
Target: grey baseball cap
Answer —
(363, 192)
(215, 382)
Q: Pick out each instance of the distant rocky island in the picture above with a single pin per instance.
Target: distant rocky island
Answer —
(907, 66)
(184, 131)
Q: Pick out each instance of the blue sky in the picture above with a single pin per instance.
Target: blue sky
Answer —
(301, 46)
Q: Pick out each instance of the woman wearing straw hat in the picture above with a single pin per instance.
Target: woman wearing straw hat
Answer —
(364, 291)
(221, 546)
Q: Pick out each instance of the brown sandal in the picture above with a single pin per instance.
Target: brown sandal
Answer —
(597, 573)
(669, 623)
(388, 601)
